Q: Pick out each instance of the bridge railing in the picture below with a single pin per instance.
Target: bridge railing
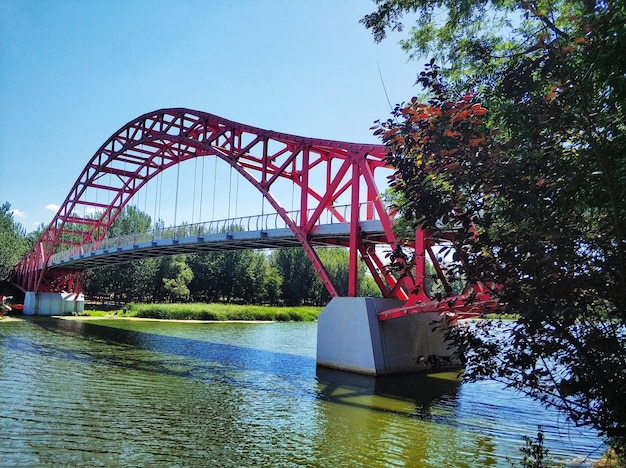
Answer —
(261, 222)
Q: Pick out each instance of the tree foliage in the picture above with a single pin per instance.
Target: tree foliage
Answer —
(176, 276)
(519, 145)
(302, 285)
(124, 282)
(13, 245)
(235, 276)
(253, 277)
(299, 277)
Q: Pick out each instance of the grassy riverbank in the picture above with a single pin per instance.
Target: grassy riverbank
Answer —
(217, 312)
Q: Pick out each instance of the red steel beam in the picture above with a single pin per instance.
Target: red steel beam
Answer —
(156, 141)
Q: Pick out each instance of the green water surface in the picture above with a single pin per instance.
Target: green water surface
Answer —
(129, 393)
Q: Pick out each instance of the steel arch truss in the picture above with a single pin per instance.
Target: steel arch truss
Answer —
(156, 141)
(322, 170)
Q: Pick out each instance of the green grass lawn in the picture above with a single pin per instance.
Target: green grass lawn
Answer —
(221, 312)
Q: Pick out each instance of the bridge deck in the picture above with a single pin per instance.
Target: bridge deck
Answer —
(324, 234)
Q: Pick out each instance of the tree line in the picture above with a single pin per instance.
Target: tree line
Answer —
(284, 276)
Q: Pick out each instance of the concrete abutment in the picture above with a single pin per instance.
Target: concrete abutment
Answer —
(50, 303)
(350, 337)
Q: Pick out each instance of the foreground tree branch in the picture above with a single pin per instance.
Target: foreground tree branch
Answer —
(519, 143)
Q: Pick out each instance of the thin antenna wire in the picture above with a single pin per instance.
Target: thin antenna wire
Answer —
(384, 87)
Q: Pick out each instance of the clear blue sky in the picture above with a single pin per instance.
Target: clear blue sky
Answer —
(72, 72)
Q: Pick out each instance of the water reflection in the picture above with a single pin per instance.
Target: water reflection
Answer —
(114, 392)
(168, 355)
(411, 395)
(428, 403)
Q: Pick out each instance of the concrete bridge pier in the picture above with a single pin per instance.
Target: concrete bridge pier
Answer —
(350, 337)
(50, 303)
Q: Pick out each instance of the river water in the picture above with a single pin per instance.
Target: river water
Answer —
(114, 392)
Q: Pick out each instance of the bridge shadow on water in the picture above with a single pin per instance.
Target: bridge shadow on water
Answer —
(411, 395)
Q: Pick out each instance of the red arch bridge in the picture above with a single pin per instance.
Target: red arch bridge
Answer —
(322, 173)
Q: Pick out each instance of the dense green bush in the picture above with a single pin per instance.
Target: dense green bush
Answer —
(199, 311)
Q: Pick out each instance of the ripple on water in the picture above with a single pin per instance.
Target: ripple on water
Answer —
(138, 394)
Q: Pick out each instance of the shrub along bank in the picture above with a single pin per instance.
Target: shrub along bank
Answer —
(200, 311)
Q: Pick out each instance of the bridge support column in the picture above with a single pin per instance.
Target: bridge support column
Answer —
(350, 337)
(49, 303)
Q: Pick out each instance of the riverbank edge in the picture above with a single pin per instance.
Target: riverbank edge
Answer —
(90, 318)
(148, 319)
(105, 315)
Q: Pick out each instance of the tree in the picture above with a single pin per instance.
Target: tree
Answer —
(123, 282)
(176, 275)
(243, 276)
(128, 280)
(262, 281)
(273, 284)
(13, 245)
(367, 286)
(337, 261)
(202, 286)
(231, 279)
(519, 145)
(300, 281)
(171, 279)
(302, 285)
(33, 237)
(129, 221)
